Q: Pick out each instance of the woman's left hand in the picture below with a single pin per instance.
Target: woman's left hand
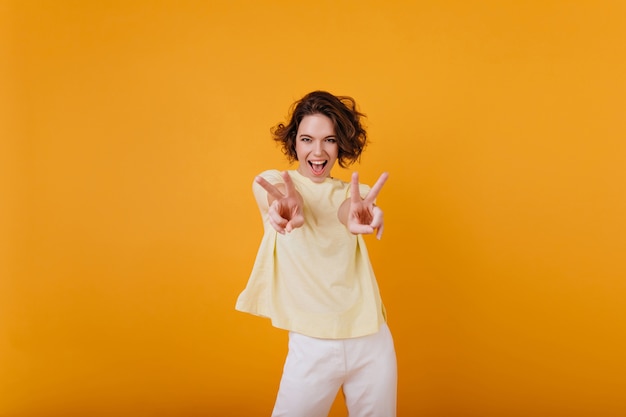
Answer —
(364, 217)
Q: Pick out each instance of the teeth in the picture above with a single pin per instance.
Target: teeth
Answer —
(318, 162)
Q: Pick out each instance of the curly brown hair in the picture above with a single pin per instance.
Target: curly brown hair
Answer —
(350, 135)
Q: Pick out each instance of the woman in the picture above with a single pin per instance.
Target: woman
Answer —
(312, 275)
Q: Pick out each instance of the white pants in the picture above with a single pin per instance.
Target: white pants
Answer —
(315, 369)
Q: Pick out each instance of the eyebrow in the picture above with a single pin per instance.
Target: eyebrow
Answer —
(311, 136)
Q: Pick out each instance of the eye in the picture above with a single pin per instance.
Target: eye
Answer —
(331, 140)
(305, 139)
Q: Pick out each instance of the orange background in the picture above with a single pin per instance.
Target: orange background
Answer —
(131, 131)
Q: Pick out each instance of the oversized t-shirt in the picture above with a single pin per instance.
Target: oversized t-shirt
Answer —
(316, 280)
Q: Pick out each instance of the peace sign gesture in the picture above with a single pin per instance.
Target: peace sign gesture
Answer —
(363, 216)
(285, 209)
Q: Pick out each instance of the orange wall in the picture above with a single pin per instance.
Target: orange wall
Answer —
(131, 132)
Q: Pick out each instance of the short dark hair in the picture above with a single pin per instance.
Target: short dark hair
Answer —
(341, 110)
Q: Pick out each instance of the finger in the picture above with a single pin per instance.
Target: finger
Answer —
(360, 229)
(355, 194)
(290, 188)
(371, 196)
(377, 217)
(377, 222)
(270, 188)
(277, 227)
(379, 233)
(277, 221)
(296, 221)
(360, 214)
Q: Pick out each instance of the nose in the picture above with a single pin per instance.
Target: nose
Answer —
(317, 150)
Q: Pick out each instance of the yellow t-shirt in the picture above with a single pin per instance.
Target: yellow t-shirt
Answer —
(318, 279)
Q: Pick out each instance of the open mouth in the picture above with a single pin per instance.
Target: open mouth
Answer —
(317, 166)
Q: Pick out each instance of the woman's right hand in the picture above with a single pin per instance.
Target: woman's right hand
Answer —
(285, 209)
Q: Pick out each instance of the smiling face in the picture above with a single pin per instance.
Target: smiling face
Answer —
(316, 147)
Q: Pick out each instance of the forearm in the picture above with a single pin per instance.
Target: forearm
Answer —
(343, 212)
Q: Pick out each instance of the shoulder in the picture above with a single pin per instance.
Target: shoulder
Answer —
(272, 175)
